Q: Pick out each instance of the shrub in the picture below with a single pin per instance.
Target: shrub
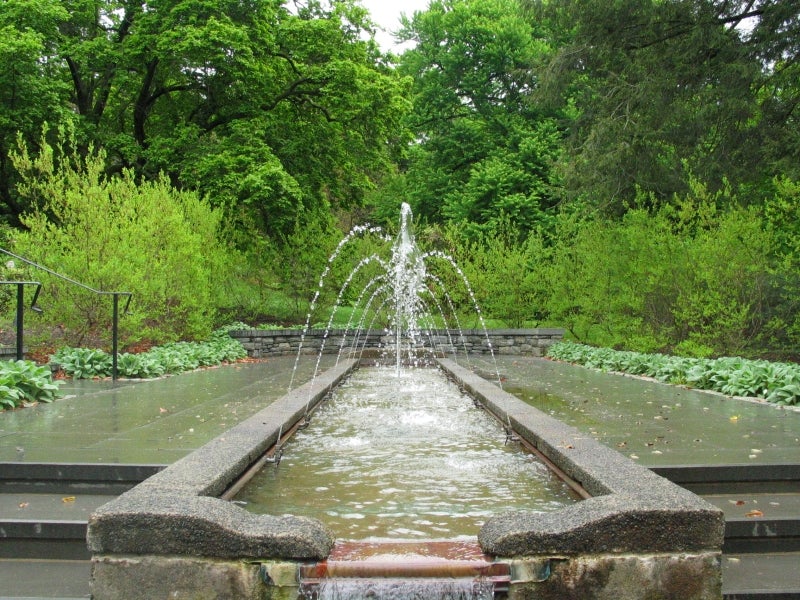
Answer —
(23, 381)
(688, 275)
(171, 358)
(117, 234)
(776, 382)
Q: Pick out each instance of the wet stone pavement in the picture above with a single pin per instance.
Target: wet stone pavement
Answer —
(654, 423)
(158, 422)
(144, 422)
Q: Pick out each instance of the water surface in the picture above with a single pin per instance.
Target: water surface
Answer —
(405, 456)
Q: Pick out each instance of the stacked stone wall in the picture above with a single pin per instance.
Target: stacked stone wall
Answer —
(261, 343)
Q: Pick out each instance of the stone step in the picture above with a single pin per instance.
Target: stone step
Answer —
(759, 522)
(734, 478)
(31, 579)
(69, 478)
(769, 576)
(46, 526)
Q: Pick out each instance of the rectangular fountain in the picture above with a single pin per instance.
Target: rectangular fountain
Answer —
(637, 536)
(402, 456)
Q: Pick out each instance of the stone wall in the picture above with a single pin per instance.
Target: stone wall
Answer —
(530, 342)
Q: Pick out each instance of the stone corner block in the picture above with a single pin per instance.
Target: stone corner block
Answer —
(145, 524)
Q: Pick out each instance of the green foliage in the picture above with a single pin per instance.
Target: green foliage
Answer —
(484, 150)
(503, 272)
(171, 358)
(778, 383)
(680, 83)
(302, 261)
(23, 381)
(84, 363)
(782, 220)
(266, 110)
(32, 89)
(114, 234)
(688, 275)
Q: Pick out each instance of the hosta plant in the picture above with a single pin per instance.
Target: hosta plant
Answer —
(734, 376)
(177, 357)
(23, 381)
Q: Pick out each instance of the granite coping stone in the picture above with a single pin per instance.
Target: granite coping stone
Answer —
(181, 524)
(177, 511)
(632, 510)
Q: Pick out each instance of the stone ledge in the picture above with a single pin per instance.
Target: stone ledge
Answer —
(632, 510)
(178, 524)
(176, 511)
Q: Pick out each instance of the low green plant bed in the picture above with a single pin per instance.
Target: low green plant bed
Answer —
(773, 381)
(23, 381)
(176, 357)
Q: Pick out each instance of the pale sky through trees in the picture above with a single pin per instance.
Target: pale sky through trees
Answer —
(386, 13)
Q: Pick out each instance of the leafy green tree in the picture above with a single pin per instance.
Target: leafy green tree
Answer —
(32, 89)
(270, 111)
(483, 149)
(659, 88)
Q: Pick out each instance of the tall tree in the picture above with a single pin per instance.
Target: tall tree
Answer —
(270, 106)
(32, 89)
(482, 150)
(662, 87)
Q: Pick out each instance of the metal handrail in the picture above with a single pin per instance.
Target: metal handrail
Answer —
(20, 315)
(115, 314)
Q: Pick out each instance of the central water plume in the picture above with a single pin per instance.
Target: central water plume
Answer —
(408, 275)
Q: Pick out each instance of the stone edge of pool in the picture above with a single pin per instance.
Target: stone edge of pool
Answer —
(638, 534)
(631, 510)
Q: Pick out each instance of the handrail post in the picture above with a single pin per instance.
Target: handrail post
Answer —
(114, 337)
(20, 318)
(115, 318)
(20, 307)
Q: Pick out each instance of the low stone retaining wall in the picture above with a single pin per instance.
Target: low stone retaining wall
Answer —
(261, 343)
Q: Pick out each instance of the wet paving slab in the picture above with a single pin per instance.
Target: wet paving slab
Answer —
(33, 579)
(65, 507)
(754, 506)
(768, 576)
(651, 422)
(162, 420)
(155, 421)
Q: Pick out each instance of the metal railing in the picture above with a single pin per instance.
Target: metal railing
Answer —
(20, 309)
(20, 300)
